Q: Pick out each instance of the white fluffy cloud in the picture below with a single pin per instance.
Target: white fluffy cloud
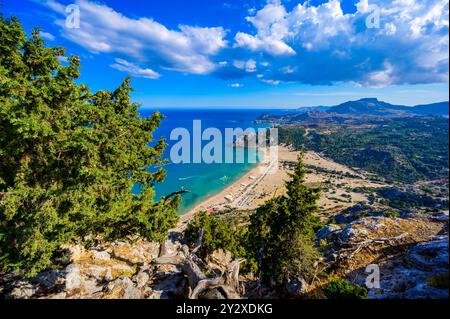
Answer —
(47, 35)
(310, 44)
(134, 70)
(249, 66)
(103, 30)
(272, 30)
(322, 44)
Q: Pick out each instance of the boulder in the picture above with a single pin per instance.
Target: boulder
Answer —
(350, 233)
(23, 290)
(219, 260)
(141, 279)
(101, 255)
(212, 294)
(139, 252)
(360, 229)
(297, 287)
(49, 279)
(90, 287)
(327, 232)
(122, 288)
(430, 256)
(73, 277)
(76, 252)
(174, 286)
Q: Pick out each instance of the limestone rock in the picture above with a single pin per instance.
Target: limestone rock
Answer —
(73, 277)
(174, 286)
(141, 279)
(101, 255)
(139, 252)
(430, 256)
(297, 287)
(350, 233)
(219, 260)
(75, 251)
(122, 288)
(50, 278)
(328, 231)
(23, 290)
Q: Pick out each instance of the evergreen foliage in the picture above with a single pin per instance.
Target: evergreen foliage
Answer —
(281, 233)
(70, 158)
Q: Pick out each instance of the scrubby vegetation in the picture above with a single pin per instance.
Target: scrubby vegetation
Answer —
(70, 158)
(405, 200)
(439, 281)
(220, 234)
(342, 289)
(280, 236)
(398, 149)
(282, 231)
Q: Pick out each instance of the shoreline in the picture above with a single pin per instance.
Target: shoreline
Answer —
(231, 195)
(267, 179)
(219, 197)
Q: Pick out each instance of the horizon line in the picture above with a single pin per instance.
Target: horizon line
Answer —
(247, 107)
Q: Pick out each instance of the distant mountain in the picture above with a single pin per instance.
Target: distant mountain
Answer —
(368, 106)
(432, 109)
(372, 106)
(354, 109)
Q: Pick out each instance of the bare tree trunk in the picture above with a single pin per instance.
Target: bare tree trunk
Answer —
(199, 283)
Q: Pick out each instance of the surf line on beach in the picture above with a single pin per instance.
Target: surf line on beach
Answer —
(237, 194)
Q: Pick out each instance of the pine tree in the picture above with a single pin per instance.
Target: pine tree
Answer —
(70, 159)
(282, 232)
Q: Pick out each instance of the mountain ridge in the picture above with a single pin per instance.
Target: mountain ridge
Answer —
(373, 106)
(365, 107)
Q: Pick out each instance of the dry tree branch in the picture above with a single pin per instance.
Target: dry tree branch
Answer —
(199, 283)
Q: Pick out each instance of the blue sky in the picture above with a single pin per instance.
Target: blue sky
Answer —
(250, 53)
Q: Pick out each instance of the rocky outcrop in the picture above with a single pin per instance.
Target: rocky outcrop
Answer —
(420, 274)
(430, 256)
(411, 254)
(132, 271)
(328, 232)
(113, 270)
(361, 210)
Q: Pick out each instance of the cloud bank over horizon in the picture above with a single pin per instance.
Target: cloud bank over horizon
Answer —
(316, 45)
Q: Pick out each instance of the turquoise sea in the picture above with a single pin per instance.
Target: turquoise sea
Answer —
(202, 180)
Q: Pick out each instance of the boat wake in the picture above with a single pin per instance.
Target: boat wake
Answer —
(186, 178)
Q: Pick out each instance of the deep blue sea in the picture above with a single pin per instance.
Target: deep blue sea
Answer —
(202, 180)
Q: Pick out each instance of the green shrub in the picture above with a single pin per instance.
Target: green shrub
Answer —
(392, 214)
(70, 159)
(282, 232)
(343, 289)
(218, 234)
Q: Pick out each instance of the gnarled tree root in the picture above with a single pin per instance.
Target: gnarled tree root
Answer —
(191, 266)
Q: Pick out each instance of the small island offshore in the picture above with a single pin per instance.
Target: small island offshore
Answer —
(345, 201)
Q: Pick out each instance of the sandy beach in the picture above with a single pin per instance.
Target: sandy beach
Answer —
(267, 179)
(237, 194)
